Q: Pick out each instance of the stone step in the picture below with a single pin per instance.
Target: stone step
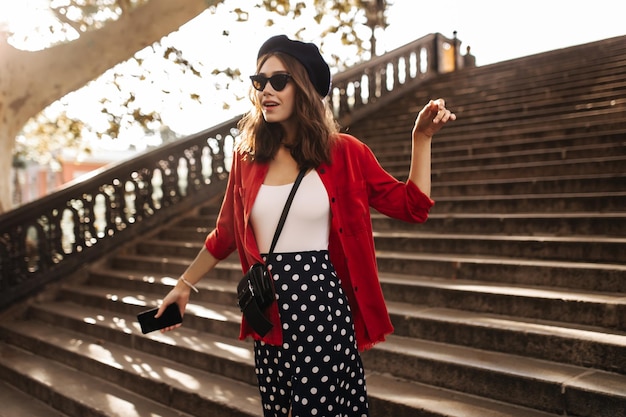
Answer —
(582, 276)
(530, 224)
(519, 187)
(599, 249)
(410, 298)
(576, 202)
(401, 398)
(16, 403)
(222, 276)
(526, 100)
(217, 299)
(221, 319)
(202, 221)
(501, 154)
(173, 266)
(501, 119)
(612, 141)
(577, 276)
(503, 202)
(426, 357)
(554, 304)
(171, 248)
(76, 393)
(214, 291)
(461, 150)
(499, 296)
(507, 170)
(494, 129)
(506, 203)
(213, 283)
(533, 74)
(596, 347)
(76, 349)
(218, 355)
(564, 248)
(542, 385)
(194, 228)
(568, 343)
(452, 150)
(149, 265)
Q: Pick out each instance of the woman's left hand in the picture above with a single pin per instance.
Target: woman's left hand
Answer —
(432, 118)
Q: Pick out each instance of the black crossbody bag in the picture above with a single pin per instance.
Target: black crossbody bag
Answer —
(255, 291)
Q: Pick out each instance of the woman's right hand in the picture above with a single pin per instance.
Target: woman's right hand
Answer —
(432, 118)
(203, 263)
(178, 295)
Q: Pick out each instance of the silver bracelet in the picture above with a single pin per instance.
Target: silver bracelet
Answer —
(189, 284)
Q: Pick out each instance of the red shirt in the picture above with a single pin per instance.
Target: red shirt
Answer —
(355, 181)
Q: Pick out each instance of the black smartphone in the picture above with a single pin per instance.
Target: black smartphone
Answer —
(170, 317)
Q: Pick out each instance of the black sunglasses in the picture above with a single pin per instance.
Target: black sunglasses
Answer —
(278, 81)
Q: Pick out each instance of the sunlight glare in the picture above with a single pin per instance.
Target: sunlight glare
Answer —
(134, 300)
(237, 351)
(93, 320)
(169, 281)
(206, 313)
(103, 355)
(146, 369)
(42, 375)
(185, 379)
(120, 323)
(122, 407)
(149, 279)
(32, 24)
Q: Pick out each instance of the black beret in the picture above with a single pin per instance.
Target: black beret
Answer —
(307, 54)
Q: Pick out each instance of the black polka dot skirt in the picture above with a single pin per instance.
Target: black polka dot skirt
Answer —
(318, 370)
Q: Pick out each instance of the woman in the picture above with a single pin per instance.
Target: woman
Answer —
(329, 301)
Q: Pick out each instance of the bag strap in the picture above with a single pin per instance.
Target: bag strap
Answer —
(283, 216)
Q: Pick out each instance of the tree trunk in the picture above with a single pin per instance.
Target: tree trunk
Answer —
(31, 81)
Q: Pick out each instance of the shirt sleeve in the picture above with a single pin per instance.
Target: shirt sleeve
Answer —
(394, 198)
(221, 242)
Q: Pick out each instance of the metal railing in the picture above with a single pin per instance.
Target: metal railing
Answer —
(57, 234)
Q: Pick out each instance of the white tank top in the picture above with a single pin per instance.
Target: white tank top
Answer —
(308, 222)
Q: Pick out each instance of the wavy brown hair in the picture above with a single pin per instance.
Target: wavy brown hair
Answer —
(316, 128)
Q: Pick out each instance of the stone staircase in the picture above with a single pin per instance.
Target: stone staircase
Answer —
(509, 301)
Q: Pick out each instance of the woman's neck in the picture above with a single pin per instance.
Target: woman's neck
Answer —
(289, 129)
(283, 169)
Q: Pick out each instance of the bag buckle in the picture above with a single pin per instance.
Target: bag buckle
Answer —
(245, 297)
